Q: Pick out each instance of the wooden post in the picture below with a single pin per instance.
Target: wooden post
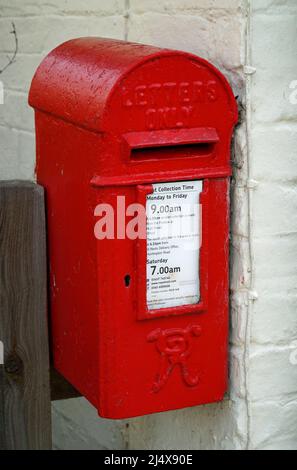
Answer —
(25, 419)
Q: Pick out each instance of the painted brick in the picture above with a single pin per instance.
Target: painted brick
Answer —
(62, 7)
(274, 149)
(270, 91)
(42, 34)
(197, 34)
(26, 154)
(273, 326)
(237, 379)
(239, 157)
(19, 74)
(239, 315)
(182, 5)
(274, 318)
(274, 264)
(276, 215)
(15, 111)
(281, 434)
(239, 208)
(266, 5)
(8, 153)
(214, 426)
(240, 262)
(271, 374)
(76, 425)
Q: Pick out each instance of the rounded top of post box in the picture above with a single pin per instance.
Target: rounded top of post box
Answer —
(77, 82)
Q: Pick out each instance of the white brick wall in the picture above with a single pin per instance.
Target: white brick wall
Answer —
(41, 25)
(76, 425)
(261, 411)
(272, 378)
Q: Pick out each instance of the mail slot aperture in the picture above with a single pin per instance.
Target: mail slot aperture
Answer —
(168, 151)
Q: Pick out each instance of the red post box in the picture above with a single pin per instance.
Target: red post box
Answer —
(139, 323)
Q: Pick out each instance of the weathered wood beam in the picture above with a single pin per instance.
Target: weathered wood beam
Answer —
(25, 407)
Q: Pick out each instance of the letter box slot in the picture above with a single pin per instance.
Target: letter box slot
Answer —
(173, 151)
(181, 143)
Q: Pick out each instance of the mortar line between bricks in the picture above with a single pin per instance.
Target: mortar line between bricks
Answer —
(272, 235)
(14, 92)
(22, 53)
(276, 401)
(70, 16)
(17, 129)
(290, 120)
(279, 182)
(268, 13)
(126, 19)
(217, 13)
(279, 345)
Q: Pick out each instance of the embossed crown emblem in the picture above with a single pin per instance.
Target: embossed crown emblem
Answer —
(174, 346)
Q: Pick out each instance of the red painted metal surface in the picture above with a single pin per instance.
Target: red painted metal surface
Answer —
(100, 106)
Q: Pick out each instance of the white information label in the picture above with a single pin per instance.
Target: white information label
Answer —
(173, 242)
